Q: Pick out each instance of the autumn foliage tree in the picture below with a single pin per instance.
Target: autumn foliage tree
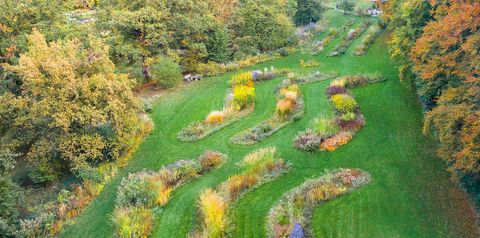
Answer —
(447, 62)
(73, 110)
(406, 18)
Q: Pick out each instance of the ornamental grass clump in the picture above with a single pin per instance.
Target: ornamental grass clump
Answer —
(325, 127)
(291, 96)
(339, 82)
(214, 212)
(215, 117)
(260, 160)
(133, 221)
(210, 160)
(140, 189)
(284, 108)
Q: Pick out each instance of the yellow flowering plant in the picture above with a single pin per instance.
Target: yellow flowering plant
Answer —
(343, 103)
(243, 96)
(245, 78)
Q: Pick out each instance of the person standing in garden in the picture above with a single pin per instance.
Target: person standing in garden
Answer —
(337, 5)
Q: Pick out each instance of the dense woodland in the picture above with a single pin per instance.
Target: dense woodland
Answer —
(71, 72)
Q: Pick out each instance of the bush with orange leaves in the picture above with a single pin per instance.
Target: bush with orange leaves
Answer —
(333, 143)
(215, 117)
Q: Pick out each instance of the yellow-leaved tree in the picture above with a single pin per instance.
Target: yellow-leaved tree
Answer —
(74, 111)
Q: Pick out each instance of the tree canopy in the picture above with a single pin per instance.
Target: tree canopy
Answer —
(72, 110)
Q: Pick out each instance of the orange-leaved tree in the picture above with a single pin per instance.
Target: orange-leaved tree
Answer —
(446, 59)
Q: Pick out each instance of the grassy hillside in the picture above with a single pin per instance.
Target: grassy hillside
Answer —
(410, 194)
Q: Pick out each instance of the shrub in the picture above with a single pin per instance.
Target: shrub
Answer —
(308, 141)
(166, 73)
(333, 143)
(214, 210)
(348, 116)
(210, 160)
(343, 103)
(238, 184)
(283, 51)
(135, 73)
(133, 221)
(259, 132)
(141, 189)
(210, 69)
(352, 125)
(215, 117)
(243, 96)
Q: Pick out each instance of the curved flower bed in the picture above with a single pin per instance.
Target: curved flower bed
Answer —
(239, 103)
(334, 33)
(261, 166)
(288, 90)
(329, 134)
(291, 216)
(372, 34)
(341, 47)
(142, 194)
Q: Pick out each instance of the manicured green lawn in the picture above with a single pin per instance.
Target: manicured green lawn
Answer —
(410, 194)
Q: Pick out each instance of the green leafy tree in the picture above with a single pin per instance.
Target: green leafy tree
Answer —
(138, 30)
(9, 195)
(219, 45)
(166, 72)
(69, 96)
(347, 5)
(266, 23)
(309, 11)
(18, 18)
